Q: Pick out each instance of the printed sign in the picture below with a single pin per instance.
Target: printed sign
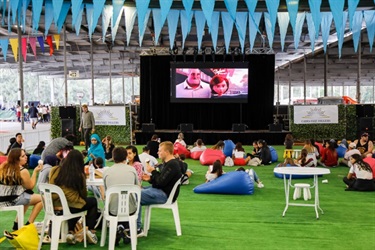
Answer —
(109, 115)
(316, 114)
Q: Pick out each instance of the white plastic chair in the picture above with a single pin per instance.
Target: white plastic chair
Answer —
(123, 192)
(20, 213)
(58, 221)
(168, 205)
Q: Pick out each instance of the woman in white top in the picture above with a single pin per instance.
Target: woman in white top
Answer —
(199, 146)
(312, 152)
(180, 139)
(359, 177)
(214, 172)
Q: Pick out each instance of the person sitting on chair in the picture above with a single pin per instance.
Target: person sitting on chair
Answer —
(120, 173)
(161, 182)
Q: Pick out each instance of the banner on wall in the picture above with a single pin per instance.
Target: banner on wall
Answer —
(109, 115)
(317, 114)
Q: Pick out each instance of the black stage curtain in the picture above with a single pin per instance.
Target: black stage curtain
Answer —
(157, 108)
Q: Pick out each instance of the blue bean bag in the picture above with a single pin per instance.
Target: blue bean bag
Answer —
(236, 182)
(294, 176)
(274, 156)
(228, 148)
(209, 156)
(341, 151)
(33, 161)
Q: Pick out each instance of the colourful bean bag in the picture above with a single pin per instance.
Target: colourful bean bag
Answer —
(3, 158)
(209, 156)
(33, 161)
(228, 147)
(236, 182)
(239, 162)
(195, 155)
(180, 149)
(274, 156)
(370, 161)
(294, 176)
(341, 151)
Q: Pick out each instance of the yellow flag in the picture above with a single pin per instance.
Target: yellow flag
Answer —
(14, 45)
(57, 41)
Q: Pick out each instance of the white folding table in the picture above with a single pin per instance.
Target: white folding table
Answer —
(97, 182)
(315, 172)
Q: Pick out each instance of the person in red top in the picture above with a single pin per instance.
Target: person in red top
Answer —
(330, 156)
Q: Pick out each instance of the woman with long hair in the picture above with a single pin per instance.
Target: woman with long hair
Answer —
(239, 157)
(70, 177)
(39, 149)
(16, 185)
(133, 160)
(219, 145)
(215, 172)
(312, 152)
(265, 153)
(359, 177)
(329, 157)
(180, 139)
(303, 161)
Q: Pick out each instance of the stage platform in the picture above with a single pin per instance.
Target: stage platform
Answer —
(210, 137)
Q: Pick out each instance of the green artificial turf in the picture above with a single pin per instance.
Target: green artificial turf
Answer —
(211, 221)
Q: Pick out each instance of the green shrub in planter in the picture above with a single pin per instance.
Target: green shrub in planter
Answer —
(120, 134)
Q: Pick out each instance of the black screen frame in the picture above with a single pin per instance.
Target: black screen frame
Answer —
(206, 65)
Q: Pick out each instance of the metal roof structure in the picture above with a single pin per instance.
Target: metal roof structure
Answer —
(106, 59)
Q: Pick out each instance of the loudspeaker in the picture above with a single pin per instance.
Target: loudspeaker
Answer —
(67, 112)
(186, 127)
(238, 127)
(67, 127)
(275, 127)
(148, 127)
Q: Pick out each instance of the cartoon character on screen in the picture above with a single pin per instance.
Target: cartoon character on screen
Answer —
(219, 85)
(193, 87)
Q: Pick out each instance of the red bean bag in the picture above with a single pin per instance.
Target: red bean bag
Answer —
(3, 158)
(239, 162)
(209, 156)
(370, 161)
(195, 155)
(180, 149)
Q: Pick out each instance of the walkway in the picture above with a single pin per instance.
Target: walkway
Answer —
(31, 136)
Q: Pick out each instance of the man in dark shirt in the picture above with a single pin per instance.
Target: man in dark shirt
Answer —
(153, 145)
(18, 142)
(33, 114)
(162, 181)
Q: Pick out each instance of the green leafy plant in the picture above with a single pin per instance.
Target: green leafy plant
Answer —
(347, 126)
(120, 134)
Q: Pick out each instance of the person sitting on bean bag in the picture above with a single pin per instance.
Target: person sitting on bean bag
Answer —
(214, 171)
(238, 155)
(197, 150)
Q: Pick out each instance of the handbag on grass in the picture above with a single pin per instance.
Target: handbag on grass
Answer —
(25, 238)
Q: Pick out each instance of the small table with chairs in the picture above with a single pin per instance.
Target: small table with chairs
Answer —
(288, 173)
